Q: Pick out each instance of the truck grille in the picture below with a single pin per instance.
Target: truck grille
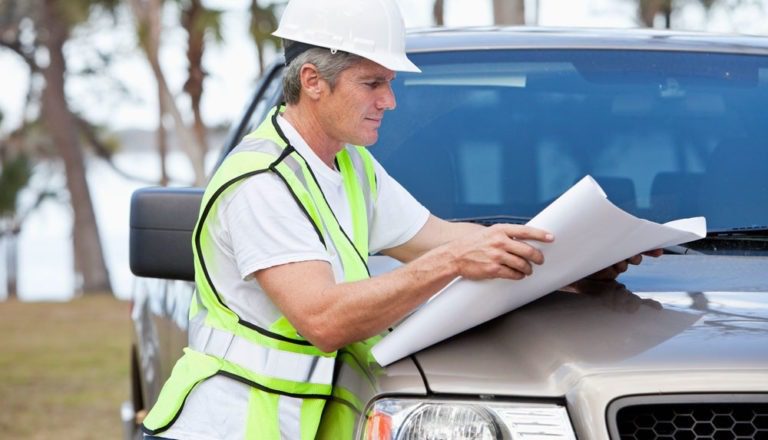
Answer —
(693, 421)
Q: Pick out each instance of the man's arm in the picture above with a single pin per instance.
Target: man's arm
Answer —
(435, 232)
(332, 315)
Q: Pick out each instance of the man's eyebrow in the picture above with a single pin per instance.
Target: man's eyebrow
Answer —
(376, 77)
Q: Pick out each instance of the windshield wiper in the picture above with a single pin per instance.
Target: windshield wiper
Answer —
(735, 241)
(737, 233)
(493, 219)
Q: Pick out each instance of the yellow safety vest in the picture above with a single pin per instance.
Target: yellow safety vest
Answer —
(222, 343)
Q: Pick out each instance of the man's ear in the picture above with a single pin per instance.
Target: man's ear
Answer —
(311, 82)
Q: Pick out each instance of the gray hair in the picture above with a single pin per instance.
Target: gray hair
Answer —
(329, 66)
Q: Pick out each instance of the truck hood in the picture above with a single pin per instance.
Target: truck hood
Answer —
(676, 317)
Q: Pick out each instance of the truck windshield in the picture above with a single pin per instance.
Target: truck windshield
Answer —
(502, 133)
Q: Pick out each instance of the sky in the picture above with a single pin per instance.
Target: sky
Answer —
(232, 66)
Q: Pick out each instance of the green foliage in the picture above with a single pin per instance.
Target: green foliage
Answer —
(78, 11)
(16, 173)
(209, 22)
(263, 23)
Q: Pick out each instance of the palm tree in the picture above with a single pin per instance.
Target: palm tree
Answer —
(505, 12)
(263, 23)
(438, 12)
(52, 21)
(509, 12)
(15, 172)
(648, 10)
(148, 15)
(198, 21)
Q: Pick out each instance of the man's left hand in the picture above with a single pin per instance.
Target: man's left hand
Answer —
(612, 272)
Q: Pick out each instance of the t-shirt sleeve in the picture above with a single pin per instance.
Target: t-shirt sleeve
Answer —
(267, 227)
(397, 215)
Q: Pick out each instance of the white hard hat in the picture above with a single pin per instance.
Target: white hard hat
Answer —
(372, 29)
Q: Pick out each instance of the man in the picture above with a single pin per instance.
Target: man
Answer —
(285, 230)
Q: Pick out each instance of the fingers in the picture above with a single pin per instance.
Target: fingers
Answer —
(521, 232)
(520, 263)
(607, 274)
(500, 251)
(509, 273)
(516, 247)
(518, 256)
(522, 250)
(654, 253)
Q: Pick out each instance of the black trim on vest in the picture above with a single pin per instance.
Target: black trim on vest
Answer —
(270, 390)
(198, 246)
(344, 402)
(341, 228)
(204, 215)
(287, 152)
(178, 413)
(303, 208)
(312, 173)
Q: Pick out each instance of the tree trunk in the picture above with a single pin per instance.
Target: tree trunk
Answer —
(162, 141)
(11, 239)
(649, 9)
(260, 56)
(438, 12)
(509, 12)
(148, 14)
(191, 18)
(88, 257)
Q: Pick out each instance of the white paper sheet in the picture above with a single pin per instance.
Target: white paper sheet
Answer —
(590, 234)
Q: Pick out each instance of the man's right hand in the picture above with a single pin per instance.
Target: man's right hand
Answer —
(498, 251)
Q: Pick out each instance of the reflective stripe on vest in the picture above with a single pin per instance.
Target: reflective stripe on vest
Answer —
(275, 359)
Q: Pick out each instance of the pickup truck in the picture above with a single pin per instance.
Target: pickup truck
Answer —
(500, 122)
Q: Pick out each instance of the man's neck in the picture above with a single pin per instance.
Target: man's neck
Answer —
(308, 126)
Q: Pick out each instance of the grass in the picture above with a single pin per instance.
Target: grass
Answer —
(63, 368)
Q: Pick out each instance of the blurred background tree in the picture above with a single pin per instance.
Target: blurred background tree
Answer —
(509, 12)
(505, 12)
(148, 17)
(263, 23)
(198, 22)
(15, 171)
(17, 151)
(649, 11)
(37, 30)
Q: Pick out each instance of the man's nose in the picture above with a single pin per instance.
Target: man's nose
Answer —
(387, 99)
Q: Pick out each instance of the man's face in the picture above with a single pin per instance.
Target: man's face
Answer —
(353, 111)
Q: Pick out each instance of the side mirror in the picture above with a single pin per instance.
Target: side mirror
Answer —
(162, 220)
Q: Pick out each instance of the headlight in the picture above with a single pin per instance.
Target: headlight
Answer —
(409, 419)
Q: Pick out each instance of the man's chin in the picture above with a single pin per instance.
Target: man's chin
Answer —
(367, 141)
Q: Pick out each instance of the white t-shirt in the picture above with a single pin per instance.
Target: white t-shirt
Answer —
(259, 225)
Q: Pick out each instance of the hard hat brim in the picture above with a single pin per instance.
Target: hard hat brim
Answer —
(397, 63)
